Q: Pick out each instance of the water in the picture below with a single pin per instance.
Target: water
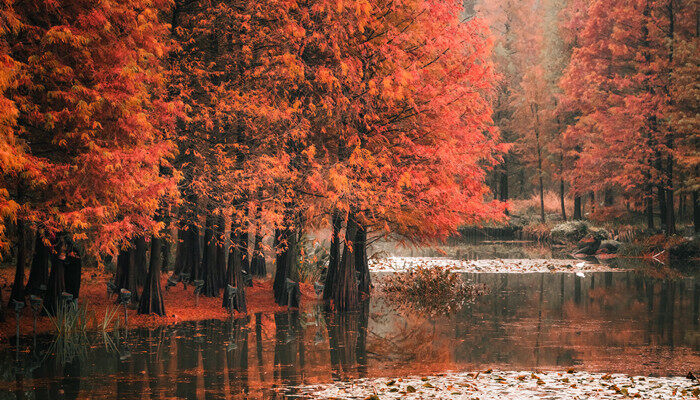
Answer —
(604, 322)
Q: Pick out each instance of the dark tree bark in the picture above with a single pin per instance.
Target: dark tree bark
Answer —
(245, 254)
(577, 208)
(220, 266)
(608, 197)
(167, 242)
(661, 196)
(72, 270)
(650, 212)
(346, 296)
(286, 246)
(17, 293)
(257, 263)
(503, 186)
(361, 264)
(696, 212)
(234, 274)
(561, 199)
(126, 273)
(39, 272)
(211, 287)
(191, 253)
(141, 259)
(179, 252)
(334, 257)
(152, 297)
(670, 211)
(592, 199)
(56, 283)
(2, 308)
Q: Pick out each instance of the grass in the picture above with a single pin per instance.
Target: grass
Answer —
(72, 322)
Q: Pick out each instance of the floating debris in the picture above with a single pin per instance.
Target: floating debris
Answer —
(508, 385)
(401, 264)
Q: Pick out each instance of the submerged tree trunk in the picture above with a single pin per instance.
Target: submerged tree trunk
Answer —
(361, 265)
(39, 272)
(334, 257)
(152, 297)
(17, 293)
(346, 296)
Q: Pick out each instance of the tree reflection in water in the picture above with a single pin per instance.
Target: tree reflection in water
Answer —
(603, 322)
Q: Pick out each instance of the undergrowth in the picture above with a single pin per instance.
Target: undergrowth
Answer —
(430, 291)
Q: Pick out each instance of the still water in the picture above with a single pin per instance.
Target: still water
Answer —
(606, 322)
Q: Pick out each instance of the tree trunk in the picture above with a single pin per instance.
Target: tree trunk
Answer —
(17, 293)
(286, 256)
(670, 212)
(577, 208)
(503, 186)
(245, 254)
(2, 308)
(608, 197)
(192, 253)
(234, 273)
(561, 199)
(56, 283)
(257, 263)
(361, 265)
(211, 287)
(152, 297)
(72, 270)
(539, 160)
(180, 252)
(220, 268)
(141, 259)
(167, 242)
(346, 296)
(126, 273)
(39, 272)
(334, 257)
(650, 211)
(696, 212)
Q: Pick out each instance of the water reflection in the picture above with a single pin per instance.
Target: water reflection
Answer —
(613, 321)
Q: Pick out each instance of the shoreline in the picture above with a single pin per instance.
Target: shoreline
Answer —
(179, 305)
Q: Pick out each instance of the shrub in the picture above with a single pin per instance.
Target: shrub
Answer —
(431, 291)
(570, 231)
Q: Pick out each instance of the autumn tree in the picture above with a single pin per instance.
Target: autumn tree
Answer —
(91, 118)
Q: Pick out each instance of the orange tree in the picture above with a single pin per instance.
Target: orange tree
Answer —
(92, 121)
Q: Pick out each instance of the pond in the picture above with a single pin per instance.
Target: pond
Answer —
(621, 322)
